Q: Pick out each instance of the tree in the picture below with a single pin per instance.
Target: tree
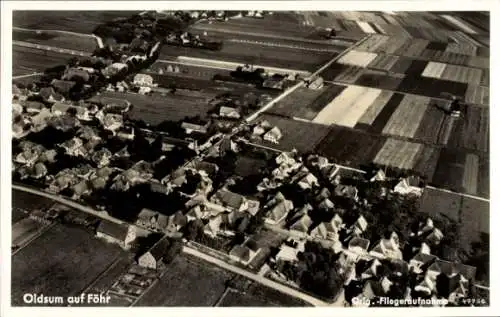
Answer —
(194, 230)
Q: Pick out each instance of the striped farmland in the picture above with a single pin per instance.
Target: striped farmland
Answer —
(348, 107)
(383, 61)
(462, 74)
(471, 170)
(372, 43)
(357, 58)
(398, 154)
(478, 95)
(430, 126)
(350, 75)
(434, 70)
(375, 108)
(407, 117)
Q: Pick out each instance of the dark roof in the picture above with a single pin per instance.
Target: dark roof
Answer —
(63, 86)
(230, 199)
(160, 248)
(113, 229)
(46, 92)
(359, 242)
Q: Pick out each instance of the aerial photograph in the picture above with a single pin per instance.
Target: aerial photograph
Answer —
(250, 158)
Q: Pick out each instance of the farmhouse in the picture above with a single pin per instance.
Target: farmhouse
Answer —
(229, 112)
(120, 234)
(143, 80)
(192, 127)
(359, 245)
(301, 226)
(230, 200)
(388, 248)
(76, 74)
(63, 86)
(50, 95)
(274, 135)
(316, 84)
(242, 254)
(153, 258)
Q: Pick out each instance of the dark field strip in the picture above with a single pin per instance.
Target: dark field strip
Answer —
(430, 126)
(61, 262)
(427, 162)
(310, 111)
(450, 170)
(382, 118)
(32, 60)
(333, 71)
(351, 74)
(377, 80)
(472, 131)
(402, 65)
(416, 67)
(483, 188)
(350, 147)
(438, 46)
(431, 87)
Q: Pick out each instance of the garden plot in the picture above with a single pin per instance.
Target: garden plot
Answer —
(348, 107)
(471, 171)
(384, 62)
(478, 95)
(398, 154)
(373, 42)
(375, 108)
(462, 74)
(350, 75)
(407, 117)
(434, 70)
(357, 58)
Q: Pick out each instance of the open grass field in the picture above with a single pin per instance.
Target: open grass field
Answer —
(348, 107)
(426, 162)
(472, 131)
(61, 262)
(187, 282)
(73, 21)
(251, 53)
(350, 147)
(398, 154)
(431, 124)
(234, 298)
(407, 117)
(25, 230)
(357, 58)
(27, 60)
(305, 103)
(301, 135)
(478, 95)
(471, 171)
(154, 109)
(450, 170)
(110, 276)
(60, 40)
(24, 203)
(435, 201)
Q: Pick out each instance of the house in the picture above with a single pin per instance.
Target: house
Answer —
(212, 228)
(308, 181)
(114, 69)
(328, 230)
(17, 109)
(80, 189)
(143, 80)
(229, 112)
(230, 200)
(326, 204)
(194, 213)
(50, 95)
(301, 226)
(126, 132)
(434, 237)
(316, 84)
(372, 290)
(387, 248)
(147, 218)
(63, 86)
(72, 146)
(261, 128)
(39, 170)
(421, 262)
(409, 185)
(285, 158)
(192, 127)
(112, 122)
(253, 207)
(40, 119)
(274, 82)
(450, 269)
(274, 135)
(287, 254)
(102, 157)
(242, 254)
(359, 226)
(48, 156)
(278, 212)
(87, 133)
(33, 106)
(120, 234)
(358, 245)
(329, 171)
(154, 256)
(76, 74)
(346, 191)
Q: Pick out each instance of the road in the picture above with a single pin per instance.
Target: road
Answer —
(27, 75)
(255, 277)
(53, 31)
(51, 48)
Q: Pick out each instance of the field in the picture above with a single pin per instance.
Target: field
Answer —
(436, 201)
(342, 73)
(234, 298)
(187, 282)
(357, 58)
(24, 203)
(379, 121)
(198, 72)
(383, 62)
(471, 170)
(375, 108)
(407, 117)
(154, 109)
(303, 136)
(28, 60)
(350, 147)
(478, 95)
(472, 131)
(61, 262)
(60, 40)
(456, 73)
(305, 103)
(73, 21)
(252, 53)
(398, 154)
(430, 126)
(24, 230)
(110, 276)
(348, 107)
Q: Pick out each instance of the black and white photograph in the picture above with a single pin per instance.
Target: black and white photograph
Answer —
(237, 158)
